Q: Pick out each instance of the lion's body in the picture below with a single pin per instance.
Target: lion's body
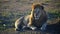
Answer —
(29, 20)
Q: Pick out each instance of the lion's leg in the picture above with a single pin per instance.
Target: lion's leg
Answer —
(43, 28)
(26, 28)
(19, 24)
(19, 28)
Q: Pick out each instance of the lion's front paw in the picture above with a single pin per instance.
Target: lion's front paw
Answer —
(33, 28)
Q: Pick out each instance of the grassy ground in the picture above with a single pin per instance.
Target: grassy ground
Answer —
(12, 31)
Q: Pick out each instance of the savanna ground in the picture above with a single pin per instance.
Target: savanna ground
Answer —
(10, 10)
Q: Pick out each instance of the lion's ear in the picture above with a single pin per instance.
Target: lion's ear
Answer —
(42, 7)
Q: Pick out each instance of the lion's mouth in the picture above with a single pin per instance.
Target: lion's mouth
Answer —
(37, 16)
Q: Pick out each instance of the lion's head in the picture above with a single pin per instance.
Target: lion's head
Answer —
(37, 10)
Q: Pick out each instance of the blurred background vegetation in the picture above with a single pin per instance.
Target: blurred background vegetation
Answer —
(10, 10)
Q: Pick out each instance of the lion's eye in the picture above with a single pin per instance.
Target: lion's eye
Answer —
(36, 10)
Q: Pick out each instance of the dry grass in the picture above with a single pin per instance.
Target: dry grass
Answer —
(22, 7)
(12, 31)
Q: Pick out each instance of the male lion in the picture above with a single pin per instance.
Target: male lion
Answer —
(33, 21)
